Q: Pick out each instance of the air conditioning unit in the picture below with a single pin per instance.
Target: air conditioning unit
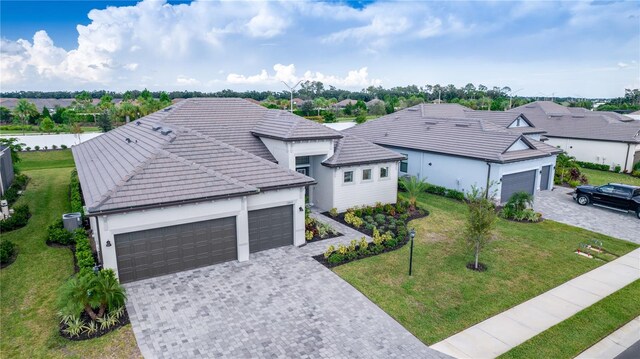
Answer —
(72, 221)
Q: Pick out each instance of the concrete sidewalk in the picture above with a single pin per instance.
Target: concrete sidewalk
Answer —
(616, 343)
(500, 333)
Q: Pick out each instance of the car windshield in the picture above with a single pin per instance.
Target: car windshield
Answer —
(606, 189)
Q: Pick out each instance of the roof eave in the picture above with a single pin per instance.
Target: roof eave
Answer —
(293, 139)
(356, 163)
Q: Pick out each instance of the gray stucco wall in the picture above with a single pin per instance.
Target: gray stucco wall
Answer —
(6, 170)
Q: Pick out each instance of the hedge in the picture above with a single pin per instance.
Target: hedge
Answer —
(593, 166)
(19, 184)
(19, 219)
(76, 193)
(7, 250)
(84, 254)
(443, 191)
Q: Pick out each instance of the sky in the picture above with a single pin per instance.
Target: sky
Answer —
(543, 48)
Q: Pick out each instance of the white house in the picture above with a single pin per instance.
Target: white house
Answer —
(212, 180)
(589, 136)
(457, 148)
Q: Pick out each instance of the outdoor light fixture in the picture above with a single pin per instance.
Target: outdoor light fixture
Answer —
(412, 234)
(301, 209)
(108, 243)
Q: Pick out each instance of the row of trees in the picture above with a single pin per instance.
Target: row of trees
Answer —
(629, 103)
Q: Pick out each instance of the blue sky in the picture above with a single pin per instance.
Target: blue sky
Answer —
(581, 49)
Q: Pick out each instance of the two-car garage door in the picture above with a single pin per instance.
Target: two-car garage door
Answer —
(159, 251)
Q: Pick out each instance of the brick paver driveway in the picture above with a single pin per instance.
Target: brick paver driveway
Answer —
(559, 206)
(281, 303)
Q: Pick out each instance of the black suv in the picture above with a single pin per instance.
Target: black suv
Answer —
(619, 196)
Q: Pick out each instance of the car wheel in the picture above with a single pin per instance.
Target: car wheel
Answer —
(582, 199)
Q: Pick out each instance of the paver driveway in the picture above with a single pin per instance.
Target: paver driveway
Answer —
(281, 303)
(559, 206)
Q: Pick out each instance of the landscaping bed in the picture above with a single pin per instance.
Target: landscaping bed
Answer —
(88, 331)
(316, 231)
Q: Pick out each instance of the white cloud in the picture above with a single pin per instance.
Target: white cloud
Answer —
(287, 73)
(184, 80)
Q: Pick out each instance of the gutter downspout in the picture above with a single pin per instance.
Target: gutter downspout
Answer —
(486, 194)
(626, 159)
(99, 240)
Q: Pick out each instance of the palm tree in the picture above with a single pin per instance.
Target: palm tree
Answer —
(413, 186)
(25, 110)
(89, 291)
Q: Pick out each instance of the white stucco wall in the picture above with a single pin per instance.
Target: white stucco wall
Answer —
(361, 192)
(322, 192)
(602, 152)
(286, 152)
(461, 173)
(113, 224)
(50, 140)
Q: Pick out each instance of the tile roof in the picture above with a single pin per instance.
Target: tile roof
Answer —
(353, 150)
(447, 129)
(283, 125)
(572, 122)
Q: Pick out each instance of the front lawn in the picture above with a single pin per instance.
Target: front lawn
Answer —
(28, 322)
(443, 297)
(583, 330)
(597, 177)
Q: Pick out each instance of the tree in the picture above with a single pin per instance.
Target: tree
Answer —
(360, 119)
(104, 122)
(76, 129)
(360, 108)
(165, 100)
(348, 109)
(320, 103)
(329, 117)
(481, 219)
(377, 109)
(106, 103)
(414, 187)
(306, 107)
(47, 125)
(89, 292)
(45, 112)
(24, 111)
(14, 146)
(5, 115)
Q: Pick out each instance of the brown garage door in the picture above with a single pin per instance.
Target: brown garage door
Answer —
(159, 251)
(270, 228)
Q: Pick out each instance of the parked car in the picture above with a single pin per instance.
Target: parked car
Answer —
(613, 195)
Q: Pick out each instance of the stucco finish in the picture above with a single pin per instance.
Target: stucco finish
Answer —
(602, 152)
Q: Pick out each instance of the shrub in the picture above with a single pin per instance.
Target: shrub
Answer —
(335, 258)
(7, 250)
(353, 220)
(19, 184)
(437, 190)
(76, 193)
(308, 235)
(519, 201)
(64, 147)
(369, 211)
(390, 209)
(37, 148)
(457, 195)
(413, 186)
(54, 147)
(329, 117)
(361, 119)
(593, 166)
(57, 233)
(333, 212)
(369, 219)
(27, 148)
(19, 219)
(617, 169)
(329, 251)
(636, 173)
(91, 292)
(363, 246)
(573, 183)
(380, 218)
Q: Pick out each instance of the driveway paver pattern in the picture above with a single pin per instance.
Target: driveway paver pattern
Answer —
(558, 205)
(281, 303)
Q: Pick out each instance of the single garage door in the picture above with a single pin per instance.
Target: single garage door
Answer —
(270, 228)
(165, 250)
(517, 182)
(544, 178)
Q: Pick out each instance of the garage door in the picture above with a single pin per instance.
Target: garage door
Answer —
(159, 251)
(270, 228)
(544, 178)
(517, 182)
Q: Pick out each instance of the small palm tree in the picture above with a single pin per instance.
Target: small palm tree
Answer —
(413, 186)
(519, 201)
(89, 291)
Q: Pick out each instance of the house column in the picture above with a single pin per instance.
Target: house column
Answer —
(242, 231)
(298, 219)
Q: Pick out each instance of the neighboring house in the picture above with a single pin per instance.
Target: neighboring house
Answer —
(456, 147)
(298, 102)
(212, 180)
(342, 104)
(49, 103)
(634, 115)
(6, 169)
(373, 102)
(590, 136)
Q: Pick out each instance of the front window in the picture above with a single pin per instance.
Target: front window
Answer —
(366, 174)
(384, 172)
(348, 177)
(404, 164)
(302, 160)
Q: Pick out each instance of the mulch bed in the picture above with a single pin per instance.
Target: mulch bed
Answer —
(413, 215)
(10, 261)
(317, 238)
(124, 320)
(481, 267)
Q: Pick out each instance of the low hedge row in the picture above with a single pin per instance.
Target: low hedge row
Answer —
(75, 193)
(84, 254)
(20, 182)
(18, 219)
(593, 166)
(443, 191)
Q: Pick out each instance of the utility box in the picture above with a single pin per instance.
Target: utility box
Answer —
(72, 221)
(4, 209)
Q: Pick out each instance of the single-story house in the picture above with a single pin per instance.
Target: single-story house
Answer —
(457, 148)
(634, 115)
(209, 180)
(6, 169)
(373, 102)
(342, 104)
(589, 136)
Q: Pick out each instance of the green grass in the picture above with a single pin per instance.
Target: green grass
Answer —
(28, 323)
(578, 333)
(353, 118)
(38, 132)
(45, 159)
(443, 297)
(597, 177)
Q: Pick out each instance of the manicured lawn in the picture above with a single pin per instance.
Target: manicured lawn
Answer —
(443, 297)
(46, 159)
(597, 178)
(28, 322)
(20, 132)
(578, 333)
(353, 118)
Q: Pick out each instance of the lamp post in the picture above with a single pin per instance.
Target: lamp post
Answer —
(412, 234)
(511, 96)
(291, 89)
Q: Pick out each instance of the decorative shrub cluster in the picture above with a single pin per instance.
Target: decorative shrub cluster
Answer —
(7, 250)
(20, 182)
(567, 171)
(19, 219)
(91, 304)
(517, 208)
(316, 229)
(75, 193)
(593, 166)
(443, 191)
(57, 233)
(360, 249)
(84, 254)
